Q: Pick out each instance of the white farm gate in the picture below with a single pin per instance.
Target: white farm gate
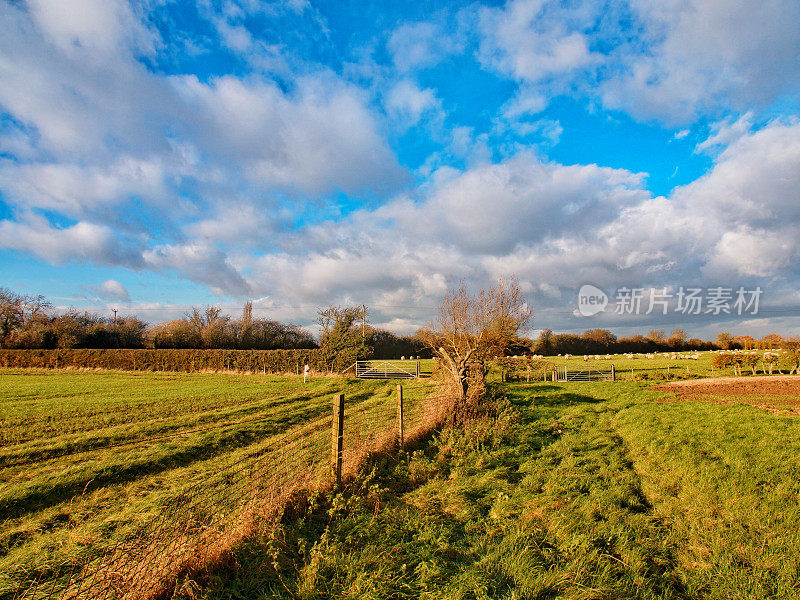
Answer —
(388, 369)
(584, 374)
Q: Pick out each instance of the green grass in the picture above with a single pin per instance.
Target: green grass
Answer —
(570, 491)
(644, 367)
(89, 456)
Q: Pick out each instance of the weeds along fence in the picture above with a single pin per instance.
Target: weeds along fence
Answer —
(195, 527)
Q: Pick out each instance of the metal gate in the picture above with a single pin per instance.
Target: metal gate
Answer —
(585, 374)
(388, 369)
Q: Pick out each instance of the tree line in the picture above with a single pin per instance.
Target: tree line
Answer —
(602, 341)
(30, 322)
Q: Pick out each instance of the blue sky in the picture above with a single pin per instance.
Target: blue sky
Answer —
(156, 155)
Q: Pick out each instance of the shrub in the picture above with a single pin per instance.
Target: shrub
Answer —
(183, 360)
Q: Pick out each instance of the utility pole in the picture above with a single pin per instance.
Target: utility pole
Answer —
(364, 321)
(115, 315)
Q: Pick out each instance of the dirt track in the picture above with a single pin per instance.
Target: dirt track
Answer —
(769, 384)
(776, 393)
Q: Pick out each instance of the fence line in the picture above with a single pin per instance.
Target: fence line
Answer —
(198, 524)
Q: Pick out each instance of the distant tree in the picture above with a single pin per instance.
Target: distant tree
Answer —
(790, 358)
(725, 340)
(211, 326)
(129, 332)
(544, 343)
(342, 342)
(677, 339)
(385, 344)
(175, 334)
(746, 342)
(598, 341)
(773, 340)
(11, 313)
(656, 336)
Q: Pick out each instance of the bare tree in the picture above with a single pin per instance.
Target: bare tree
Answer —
(473, 328)
(211, 326)
(11, 313)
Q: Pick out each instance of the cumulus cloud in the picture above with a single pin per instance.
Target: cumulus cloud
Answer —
(725, 132)
(224, 179)
(111, 290)
(87, 109)
(82, 241)
(77, 190)
(705, 55)
(534, 41)
(199, 261)
(683, 58)
(72, 96)
(556, 227)
(319, 138)
(407, 102)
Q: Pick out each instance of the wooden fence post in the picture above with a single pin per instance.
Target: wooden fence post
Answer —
(613, 373)
(417, 369)
(401, 434)
(337, 437)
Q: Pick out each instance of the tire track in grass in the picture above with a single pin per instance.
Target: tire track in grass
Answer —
(94, 473)
(57, 486)
(122, 435)
(589, 498)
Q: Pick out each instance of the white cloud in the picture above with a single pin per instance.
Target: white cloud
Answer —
(705, 55)
(671, 61)
(199, 261)
(236, 223)
(111, 290)
(88, 27)
(407, 102)
(83, 241)
(420, 45)
(75, 189)
(556, 227)
(748, 252)
(534, 41)
(77, 98)
(229, 162)
(320, 138)
(725, 132)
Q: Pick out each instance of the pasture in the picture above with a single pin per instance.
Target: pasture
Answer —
(578, 490)
(575, 490)
(645, 365)
(90, 456)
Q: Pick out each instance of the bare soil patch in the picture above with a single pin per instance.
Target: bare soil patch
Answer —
(778, 394)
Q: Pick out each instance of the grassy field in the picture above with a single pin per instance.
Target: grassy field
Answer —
(86, 456)
(581, 491)
(643, 367)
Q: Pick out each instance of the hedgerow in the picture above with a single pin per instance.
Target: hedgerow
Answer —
(188, 361)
